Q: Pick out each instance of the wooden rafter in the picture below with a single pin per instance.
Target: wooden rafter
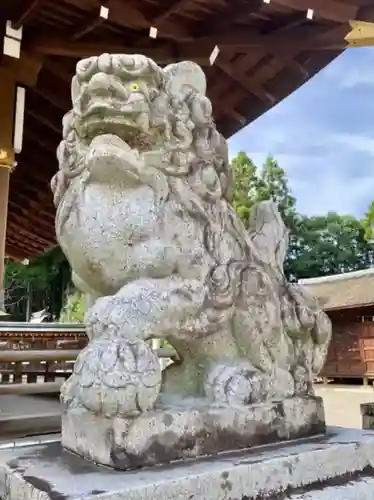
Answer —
(30, 10)
(55, 98)
(56, 46)
(32, 134)
(332, 10)
(57, 70)
(14, 253)
(168, 8)
(20, 227)
(40, 117)
(305, 37)
(33, 217)
(94, 20)
(242, 79)
(366, 13)
(241, 40)
(222, 21)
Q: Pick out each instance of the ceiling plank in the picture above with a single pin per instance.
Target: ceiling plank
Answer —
(40, 117)
(240, 40)
(162, 53)
(31, 215)
(332, 10)
(94, 20)
(221, 21)
(171, 7)
(304, 37)
(55, 46)
(247, 83)
(14, 253)
(57, 70)
(21, 228)
(366, 14)
(57, 100)
(30, 10)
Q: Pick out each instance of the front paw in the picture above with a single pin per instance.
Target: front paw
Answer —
(235, 385)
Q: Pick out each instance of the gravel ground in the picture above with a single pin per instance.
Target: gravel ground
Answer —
(342, 403)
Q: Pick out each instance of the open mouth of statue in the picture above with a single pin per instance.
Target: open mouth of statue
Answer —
(126, 121)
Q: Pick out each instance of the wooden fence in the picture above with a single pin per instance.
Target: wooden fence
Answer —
(35, 359)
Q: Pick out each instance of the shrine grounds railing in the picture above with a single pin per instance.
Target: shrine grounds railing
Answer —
(35, 359)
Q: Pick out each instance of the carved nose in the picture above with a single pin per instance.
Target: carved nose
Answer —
(104, 63)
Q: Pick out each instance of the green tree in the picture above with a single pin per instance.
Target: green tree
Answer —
(368, 222)
(73, 310)
(329, 244)
(42, 281)
(267, 183)
(319, 245)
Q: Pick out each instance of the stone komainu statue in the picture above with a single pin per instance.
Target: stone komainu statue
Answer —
(144, 218)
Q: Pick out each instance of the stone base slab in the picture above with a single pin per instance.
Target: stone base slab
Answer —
(173, 433)
(336, 466)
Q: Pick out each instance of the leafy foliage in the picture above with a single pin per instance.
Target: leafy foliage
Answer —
(368, 222)
(38, 273)
(319, 245)
(73, 310)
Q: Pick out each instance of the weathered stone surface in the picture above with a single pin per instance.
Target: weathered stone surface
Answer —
(172, 433)
(336, 466)
(144, 218)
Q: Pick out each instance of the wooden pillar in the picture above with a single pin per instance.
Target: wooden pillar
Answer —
(7, 105)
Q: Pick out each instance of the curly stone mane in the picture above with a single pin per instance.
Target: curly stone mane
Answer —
(178, 137)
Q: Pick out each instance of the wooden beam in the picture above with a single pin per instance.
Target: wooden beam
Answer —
(56, 99)
(161, 52)
(304, 37)
(129, 16)
(221, 22)
(58, 70)
(22, 230)
(169, 7)
(41, 119)
(242, 79)
(32, 135)
(23, 242)
(56, 46)
(332, 10)
(94, 20)
(14, 253)
(366, 14)
(19, 221)
(26, 69)
(23, 211)
(30, 10)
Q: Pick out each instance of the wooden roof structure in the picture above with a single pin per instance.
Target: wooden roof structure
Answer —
(267, 48)
(343, 291)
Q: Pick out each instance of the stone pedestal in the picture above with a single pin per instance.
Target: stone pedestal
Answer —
(175, 432)
(336, 466)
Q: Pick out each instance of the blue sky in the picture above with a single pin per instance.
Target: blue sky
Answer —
(323, 137)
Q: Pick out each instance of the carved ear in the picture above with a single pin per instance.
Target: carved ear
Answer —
(184, 76)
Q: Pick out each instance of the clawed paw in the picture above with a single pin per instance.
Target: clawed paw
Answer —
(236, 385)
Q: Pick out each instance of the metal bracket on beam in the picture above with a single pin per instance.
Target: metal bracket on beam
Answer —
(361, 35)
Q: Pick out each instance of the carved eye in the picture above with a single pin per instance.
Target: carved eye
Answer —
(134, 87)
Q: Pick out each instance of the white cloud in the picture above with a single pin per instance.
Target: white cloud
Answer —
(361, 143)
(323, 136)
